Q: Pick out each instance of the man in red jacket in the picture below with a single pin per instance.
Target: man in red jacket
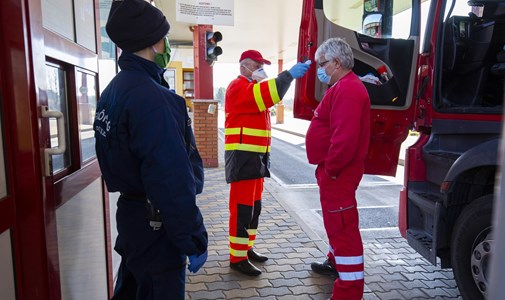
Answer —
(337, 142)
(247, 150)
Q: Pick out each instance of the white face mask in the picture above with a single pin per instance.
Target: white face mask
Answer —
(259, 75)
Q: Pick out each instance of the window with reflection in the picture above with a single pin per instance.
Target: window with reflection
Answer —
(57, 16)
(107, 54)
(86, 101)
(376, 18)
(372, 5)
(71, 19)
(57, 98)
(84, 14)
(3, 180)
(472, 57)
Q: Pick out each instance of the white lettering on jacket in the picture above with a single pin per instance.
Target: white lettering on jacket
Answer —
(104, 118)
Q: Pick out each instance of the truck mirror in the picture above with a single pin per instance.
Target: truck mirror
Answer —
(372, 25)
(371, 6)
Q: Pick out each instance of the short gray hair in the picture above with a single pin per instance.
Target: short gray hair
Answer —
(246, 61)
(336, 48)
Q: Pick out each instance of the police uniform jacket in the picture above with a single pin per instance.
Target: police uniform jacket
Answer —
(145, 146)
(247, 125)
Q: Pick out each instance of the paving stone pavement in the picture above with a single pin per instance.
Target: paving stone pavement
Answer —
(393, 270)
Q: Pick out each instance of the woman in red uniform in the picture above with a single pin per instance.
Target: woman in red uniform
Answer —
(337, 142)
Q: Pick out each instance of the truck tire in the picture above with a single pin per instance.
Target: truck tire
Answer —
(471, 248)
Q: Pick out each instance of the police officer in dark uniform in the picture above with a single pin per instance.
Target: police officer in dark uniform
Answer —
(147, 152)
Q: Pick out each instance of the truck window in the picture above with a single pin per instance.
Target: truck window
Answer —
(367, 16)
(472, 56)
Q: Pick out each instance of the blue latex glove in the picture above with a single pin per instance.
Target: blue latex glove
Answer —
(196, 261)
(299, 70)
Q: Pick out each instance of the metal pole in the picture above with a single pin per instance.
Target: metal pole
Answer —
(497, 272)
(279, 116)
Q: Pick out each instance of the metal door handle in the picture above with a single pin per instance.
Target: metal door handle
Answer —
(49, 152)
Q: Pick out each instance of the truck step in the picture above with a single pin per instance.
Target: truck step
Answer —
(423, 244)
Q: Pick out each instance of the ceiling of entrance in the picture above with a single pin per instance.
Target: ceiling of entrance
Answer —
(270, 26)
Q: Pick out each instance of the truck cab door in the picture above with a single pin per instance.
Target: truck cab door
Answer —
(367, 27)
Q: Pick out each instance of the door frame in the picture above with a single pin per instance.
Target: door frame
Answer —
(26, 189)
(390, 120)
(29, 209)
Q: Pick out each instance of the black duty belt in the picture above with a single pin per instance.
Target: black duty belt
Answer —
(152, 214)
(134, 197)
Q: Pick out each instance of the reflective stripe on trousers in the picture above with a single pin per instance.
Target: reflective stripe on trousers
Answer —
(245, 209)
(341, 222)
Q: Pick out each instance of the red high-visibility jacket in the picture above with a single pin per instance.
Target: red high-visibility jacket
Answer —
(247, 125)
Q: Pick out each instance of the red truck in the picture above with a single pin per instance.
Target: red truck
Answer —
(436, 67)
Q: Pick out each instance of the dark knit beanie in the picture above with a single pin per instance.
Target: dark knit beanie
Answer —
(135, 24)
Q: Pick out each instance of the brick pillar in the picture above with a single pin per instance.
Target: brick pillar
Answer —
(205, 127)
(205, 123)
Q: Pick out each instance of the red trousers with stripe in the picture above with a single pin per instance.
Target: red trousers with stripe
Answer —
(245, 209)
(341, 222)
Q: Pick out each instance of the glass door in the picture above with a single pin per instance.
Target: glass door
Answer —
(7, 283)
(78, 193)
(77, 243)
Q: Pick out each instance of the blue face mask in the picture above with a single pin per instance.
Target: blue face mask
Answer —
(322, 76)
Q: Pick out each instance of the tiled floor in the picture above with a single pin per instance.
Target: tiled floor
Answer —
(392, 269)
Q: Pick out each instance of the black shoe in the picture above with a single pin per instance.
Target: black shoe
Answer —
(245, 267)
(325, 268)
(255, 256)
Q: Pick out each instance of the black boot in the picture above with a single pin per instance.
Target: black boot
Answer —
(325, 268)
(245, 267)
(255, 256)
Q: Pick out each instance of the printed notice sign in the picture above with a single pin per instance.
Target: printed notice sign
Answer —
(205, 12)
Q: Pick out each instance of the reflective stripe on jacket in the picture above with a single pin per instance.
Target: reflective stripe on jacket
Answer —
(247, 125)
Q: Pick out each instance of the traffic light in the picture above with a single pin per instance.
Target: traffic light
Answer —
(212, 50)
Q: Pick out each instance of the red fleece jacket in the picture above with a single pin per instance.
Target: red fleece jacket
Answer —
(339, 133)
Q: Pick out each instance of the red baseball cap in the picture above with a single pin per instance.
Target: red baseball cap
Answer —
(254, 55)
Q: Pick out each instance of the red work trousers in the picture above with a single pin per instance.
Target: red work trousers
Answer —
(245, 209)
(342, 227)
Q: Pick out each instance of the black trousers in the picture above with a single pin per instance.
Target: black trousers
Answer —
(151, 266)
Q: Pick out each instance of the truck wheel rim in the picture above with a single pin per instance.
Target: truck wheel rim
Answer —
(480, 263)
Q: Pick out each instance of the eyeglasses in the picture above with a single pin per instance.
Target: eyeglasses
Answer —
(322, 64)
(255, 67)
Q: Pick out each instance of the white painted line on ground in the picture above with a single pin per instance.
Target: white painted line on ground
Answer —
(374, 184)
(293, 186)
(379, 229)
(377, 206)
